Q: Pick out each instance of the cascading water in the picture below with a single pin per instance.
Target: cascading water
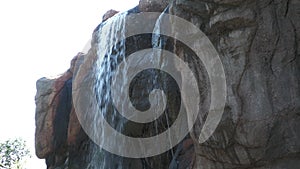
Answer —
(142, 100)
(112, 50)
(159, 41)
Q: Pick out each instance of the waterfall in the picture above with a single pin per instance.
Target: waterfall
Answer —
(159, 41)
(111, 48)
(111, 52)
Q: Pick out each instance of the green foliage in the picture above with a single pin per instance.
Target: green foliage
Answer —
(12, 152)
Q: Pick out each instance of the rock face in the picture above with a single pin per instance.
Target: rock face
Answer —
(153, 5)
(259, 45)
(258, 42)
(58, 134)
(109, 14)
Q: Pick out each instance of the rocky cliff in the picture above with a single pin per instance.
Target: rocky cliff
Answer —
(259, 45)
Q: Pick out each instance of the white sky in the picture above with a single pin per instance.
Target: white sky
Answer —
(39, 38)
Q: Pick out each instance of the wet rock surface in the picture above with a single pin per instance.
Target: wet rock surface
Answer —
(259, 45)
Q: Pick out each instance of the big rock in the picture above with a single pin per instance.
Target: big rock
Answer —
(259, 45)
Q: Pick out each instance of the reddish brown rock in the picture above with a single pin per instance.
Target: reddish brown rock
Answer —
(47, 102)
(44, 117)
(258, 45)
(74, 128)
(109, 14)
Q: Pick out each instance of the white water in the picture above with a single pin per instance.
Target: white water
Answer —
(111, 47)
(158, 42)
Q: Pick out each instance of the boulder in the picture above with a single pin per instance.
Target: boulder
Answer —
(109, 14)
(259, 45)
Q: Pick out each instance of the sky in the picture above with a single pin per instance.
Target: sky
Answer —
(38, 38)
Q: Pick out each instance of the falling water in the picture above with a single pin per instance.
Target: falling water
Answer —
(111, 48)
(111, 51)
(159, 41)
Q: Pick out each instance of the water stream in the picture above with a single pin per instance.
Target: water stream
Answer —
(111, 52)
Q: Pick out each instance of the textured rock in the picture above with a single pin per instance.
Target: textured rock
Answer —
(153, 5)
(109, 14)
(259, 45)
(50, 95)
(56, 124)
(258, 42)
(44, 117)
